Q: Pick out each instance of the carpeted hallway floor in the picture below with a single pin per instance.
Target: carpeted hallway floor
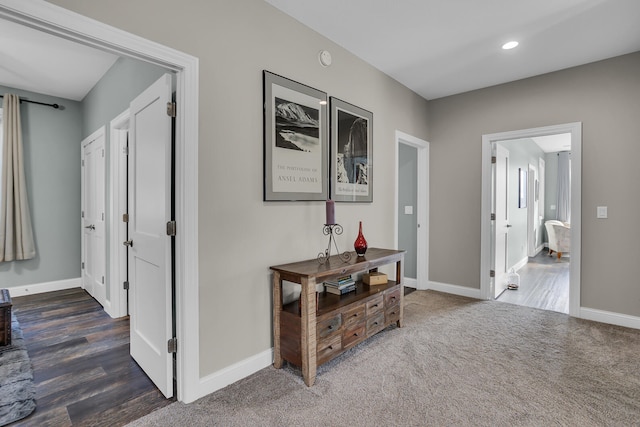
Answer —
(459, 362)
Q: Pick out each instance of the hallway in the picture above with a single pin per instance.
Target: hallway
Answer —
(544, 283)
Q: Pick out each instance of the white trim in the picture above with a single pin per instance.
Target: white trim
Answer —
(422, 254)
(53, 19)
(40, 288)
(410, 282)
(463, 291)
(118, 130)
(524, 261)
(609, 317)
(576, 202)
(235, 372)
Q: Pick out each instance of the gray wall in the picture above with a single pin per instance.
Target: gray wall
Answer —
(52, 169)
(240, 236)
(522, 152)
(125, 80)
(605, 97)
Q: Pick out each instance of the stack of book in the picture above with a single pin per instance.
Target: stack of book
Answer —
(340, 286)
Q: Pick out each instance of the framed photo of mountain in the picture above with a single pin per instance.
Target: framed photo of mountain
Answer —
(351, 152)
(295, 141)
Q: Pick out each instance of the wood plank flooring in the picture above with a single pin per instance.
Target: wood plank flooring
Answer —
(544, 283)
(83, 373)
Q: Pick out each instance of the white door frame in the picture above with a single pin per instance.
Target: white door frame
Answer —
(118, 131)
(575, 129)
(422, 253)
(533, 220)
(55, 20)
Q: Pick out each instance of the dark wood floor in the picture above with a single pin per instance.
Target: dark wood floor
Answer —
(544, 283)
(81, 365)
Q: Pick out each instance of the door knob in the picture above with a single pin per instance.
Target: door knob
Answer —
(128, 243)
(91, 227)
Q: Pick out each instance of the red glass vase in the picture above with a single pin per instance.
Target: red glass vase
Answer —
(360, 245)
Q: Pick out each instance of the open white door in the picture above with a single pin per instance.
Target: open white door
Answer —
(93, 216)
(502, 219)
(149, 258)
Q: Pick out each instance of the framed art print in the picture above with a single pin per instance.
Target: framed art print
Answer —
(351, 152)
(295, 140)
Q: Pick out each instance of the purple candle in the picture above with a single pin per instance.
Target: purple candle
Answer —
(331, 212)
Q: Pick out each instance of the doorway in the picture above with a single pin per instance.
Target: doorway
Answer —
(412, 207)
(57, 21)
(488, 230)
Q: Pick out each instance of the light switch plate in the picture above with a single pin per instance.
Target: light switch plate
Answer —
(408, 210)
(601, 212)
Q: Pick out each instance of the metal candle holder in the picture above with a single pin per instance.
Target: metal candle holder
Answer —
(330, 230)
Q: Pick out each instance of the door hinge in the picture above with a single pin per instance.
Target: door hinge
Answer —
(125, 150)
(493, 159)
(493, 217)
(125, 285)
(171, 228)
(103, 280)
(102, 153)
(172, 345)
(125, 217)
(492, 273)
(171, 109)
(82, 162)
(82, 214)
(83, 265)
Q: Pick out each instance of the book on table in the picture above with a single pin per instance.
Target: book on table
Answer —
(340, 291)
(340, 282)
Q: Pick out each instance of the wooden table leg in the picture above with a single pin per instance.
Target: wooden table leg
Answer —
(308, 330)
(399, 277)
(277, 308)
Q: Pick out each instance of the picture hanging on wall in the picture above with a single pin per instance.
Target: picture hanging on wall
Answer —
(351, 152)
(295, 140)
(522, 188)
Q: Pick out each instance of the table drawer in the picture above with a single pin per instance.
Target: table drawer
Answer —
(375, 305)
(392, 298)
(392, 314)
(329, 327)
(353, 336)
(328, 347)
(354, 316)
(375, 323)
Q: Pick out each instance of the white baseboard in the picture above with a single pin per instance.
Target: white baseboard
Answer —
(455, 289)
(410, 283)
(39, 288)
(524, 261)
(610, 317)
(233, 373)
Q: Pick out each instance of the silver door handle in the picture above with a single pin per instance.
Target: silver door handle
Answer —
(91, 227)
(128, 243)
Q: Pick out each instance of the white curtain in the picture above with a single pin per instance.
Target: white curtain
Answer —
(564, 187)
(16, 234)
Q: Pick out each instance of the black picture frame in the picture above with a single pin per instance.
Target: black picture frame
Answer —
(522, 188)
(295, 141)
(351, 152)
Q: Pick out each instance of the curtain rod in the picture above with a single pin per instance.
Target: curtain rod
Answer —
(56, 106)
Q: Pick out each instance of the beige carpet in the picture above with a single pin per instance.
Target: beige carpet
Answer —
(458, 362)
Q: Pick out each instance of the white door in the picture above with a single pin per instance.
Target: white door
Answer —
(93, 217)
(502, 219)
(149, 255)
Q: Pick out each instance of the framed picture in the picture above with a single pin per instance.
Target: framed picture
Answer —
(351, 153)
(522, 188)
(295, 141)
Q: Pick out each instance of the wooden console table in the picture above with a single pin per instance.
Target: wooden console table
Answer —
(309, 335)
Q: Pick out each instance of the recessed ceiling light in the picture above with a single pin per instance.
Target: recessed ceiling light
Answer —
(509, 45)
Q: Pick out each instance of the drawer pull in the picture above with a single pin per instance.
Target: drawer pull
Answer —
(375, 323)
(393, 298)
(355, 335)
(354, 315)
(376, 305)
(330, 347)
(330, 327)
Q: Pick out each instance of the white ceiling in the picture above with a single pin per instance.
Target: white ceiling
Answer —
(444, 47)
(554, 143)
(38, 62)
